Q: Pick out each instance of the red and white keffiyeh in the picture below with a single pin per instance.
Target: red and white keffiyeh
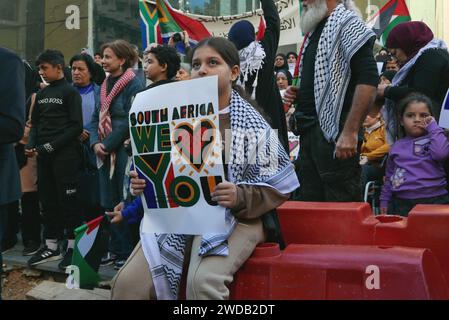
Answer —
(105, 123)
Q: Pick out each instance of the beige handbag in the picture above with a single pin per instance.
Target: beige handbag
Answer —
(26, 133)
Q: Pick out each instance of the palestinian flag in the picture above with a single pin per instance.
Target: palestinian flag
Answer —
(90, 246)
(392, 14)
(261, 30)
(172, 21)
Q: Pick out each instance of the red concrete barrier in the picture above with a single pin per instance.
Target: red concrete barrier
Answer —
(339, 272)
(412, 253)
(427, 226)
(327, 223)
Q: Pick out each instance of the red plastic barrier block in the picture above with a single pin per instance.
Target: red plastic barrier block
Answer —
(327, 223)
(427, 226)
(340, 272)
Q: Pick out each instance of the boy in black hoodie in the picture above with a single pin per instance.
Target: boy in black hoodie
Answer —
(57, 122)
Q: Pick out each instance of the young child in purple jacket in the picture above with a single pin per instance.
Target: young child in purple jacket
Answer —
(415, 168)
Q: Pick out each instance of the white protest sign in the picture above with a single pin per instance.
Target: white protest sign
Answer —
(176, 146)
(294, 145)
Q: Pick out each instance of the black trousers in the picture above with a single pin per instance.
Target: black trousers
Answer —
(58, 192)
(402, 207)
(324, 178)
(31, 218)
(29, 222)
(12, 226)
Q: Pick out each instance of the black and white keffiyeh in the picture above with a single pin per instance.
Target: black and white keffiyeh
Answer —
(256, 158)
(343, 35)
(251, 61)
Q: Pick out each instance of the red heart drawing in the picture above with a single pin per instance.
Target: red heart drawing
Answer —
(195, 143)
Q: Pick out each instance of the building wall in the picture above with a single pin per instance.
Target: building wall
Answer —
(423, 10)
(57, 35)
(13, 24)
(441, 20)
(116, 19)
(433, 12)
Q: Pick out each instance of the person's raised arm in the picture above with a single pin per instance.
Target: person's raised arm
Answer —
(270, 41)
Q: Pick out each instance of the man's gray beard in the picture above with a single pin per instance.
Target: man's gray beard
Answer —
(314, 14)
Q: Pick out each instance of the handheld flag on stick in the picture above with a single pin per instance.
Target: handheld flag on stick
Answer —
(90, 245)
(298, 62)
(392, 14)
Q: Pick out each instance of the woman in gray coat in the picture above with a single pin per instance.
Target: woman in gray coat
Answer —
(110, 129)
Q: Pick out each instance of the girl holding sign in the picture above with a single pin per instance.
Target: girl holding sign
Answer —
(250, 192)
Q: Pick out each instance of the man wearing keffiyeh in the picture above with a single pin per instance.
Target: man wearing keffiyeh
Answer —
(337, 85)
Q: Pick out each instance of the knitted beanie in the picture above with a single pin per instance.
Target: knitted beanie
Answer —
(242, 33)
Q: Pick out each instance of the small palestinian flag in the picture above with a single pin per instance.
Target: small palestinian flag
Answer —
(90, 246)
(392, 14)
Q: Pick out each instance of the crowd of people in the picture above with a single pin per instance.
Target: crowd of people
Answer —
(66, 154)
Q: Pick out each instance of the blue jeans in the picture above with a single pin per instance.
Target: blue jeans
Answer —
(120, 241)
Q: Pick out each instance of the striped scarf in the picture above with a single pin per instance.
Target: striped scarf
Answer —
(257, 158)
(343, 35)
(105, 124)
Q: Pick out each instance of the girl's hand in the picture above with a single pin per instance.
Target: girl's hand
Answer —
(137, 184)
(428, 120)
(225, 194)
(425, 122)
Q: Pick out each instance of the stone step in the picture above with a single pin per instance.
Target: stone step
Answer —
(15, 258)
(49, 290)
